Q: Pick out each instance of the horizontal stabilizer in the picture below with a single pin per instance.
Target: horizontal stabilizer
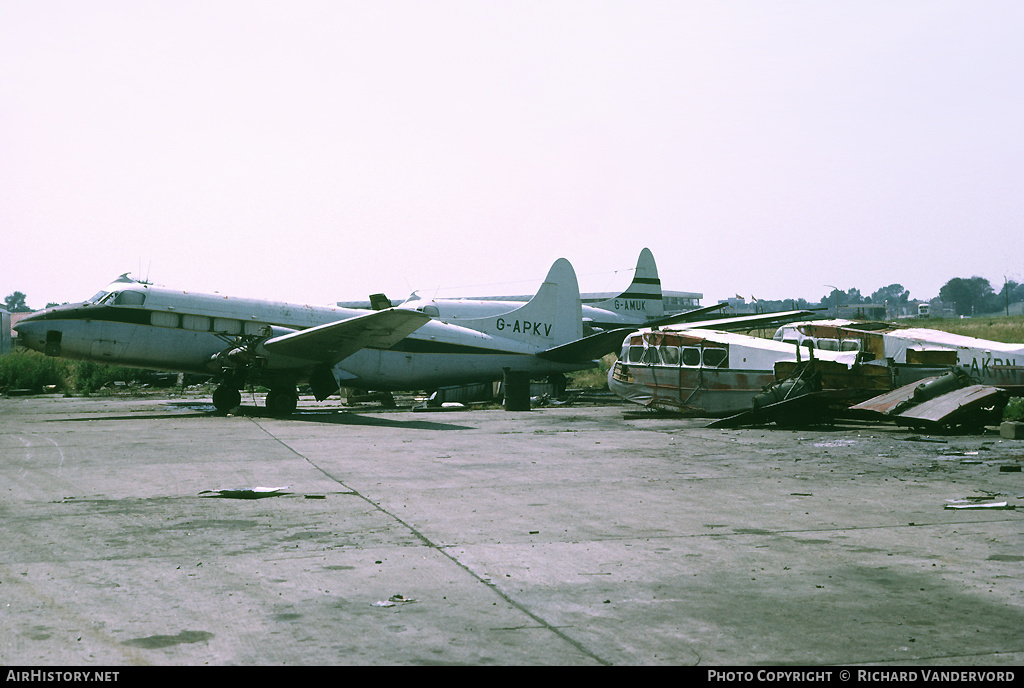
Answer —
(588, 348)
(336, 341)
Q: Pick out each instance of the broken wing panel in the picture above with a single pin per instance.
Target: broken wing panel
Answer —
(337, 341)
(886, 402)
(960, 401)
(692, 316)
(747, 322)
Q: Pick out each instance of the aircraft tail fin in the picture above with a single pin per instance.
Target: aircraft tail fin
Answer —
(554, 316)
(379, 302)
(643, 294)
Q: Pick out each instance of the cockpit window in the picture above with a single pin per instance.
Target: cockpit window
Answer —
(129, 298)
(98, 298)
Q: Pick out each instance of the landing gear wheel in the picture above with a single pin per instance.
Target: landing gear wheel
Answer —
(226, 398)
(281, 402)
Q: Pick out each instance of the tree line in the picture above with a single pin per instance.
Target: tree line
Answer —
(963, 295)
(15, 303)
(966, 296)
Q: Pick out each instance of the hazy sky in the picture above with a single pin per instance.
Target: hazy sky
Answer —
(321, 151)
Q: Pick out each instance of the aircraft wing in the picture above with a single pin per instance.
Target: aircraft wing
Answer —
(747, 322)
(677, 318)
(336, 341)
(588, 348)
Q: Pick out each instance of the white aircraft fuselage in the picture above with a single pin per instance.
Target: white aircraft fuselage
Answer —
(282, 344)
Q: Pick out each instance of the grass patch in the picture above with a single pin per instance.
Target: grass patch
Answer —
(1014, 410)
(31, 370)
(25, 369)
(1007, 329)
(592, 378)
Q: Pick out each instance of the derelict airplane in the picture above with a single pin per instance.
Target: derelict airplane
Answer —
(705, 367)
(640, 305)
(989, 362)
(281, 345)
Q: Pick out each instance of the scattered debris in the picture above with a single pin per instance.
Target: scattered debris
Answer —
(394, 600)
(248, 492)
(984, 501)
(988, 505)
(918, 438)
(444, 406)
(1011, 430)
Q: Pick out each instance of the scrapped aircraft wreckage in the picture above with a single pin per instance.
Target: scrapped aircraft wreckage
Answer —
(714, 373)
(951, 402)
(700, 372)
(947, 402)
(819, 372)
(990, 362)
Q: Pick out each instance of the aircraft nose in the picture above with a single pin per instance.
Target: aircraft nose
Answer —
(31, 332)
(39, 333)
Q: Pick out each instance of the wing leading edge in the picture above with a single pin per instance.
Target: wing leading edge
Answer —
(337, 341)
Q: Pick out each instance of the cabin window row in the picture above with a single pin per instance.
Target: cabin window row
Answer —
(203, 323)
(674, 355)
(826, 344)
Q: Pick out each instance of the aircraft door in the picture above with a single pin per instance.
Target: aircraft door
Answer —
(53, 340)
(111, 343)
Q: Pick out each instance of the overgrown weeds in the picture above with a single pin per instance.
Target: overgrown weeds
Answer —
(1014, 410)
(30, 370)
(1009, 329)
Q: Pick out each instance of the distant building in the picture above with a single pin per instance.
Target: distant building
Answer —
(678, 300)
(864, 311)
(8, 335)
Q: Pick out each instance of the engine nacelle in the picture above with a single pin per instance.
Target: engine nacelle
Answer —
(246, 351)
